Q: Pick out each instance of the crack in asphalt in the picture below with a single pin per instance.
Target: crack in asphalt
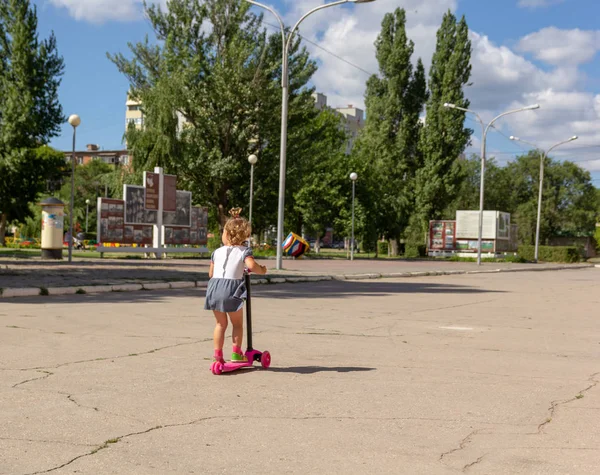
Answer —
(118, 439)
(47, 374)
(555, 404)
(72, 399)
(552, 409)
(469, 465)
(463, 443)
(112, 357)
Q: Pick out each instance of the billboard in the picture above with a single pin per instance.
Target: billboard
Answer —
(496, 225)
(112, 227)
(182, 216)
(132, 220)
(135, 206)
(442, 235)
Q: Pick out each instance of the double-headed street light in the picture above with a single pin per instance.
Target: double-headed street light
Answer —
(74, 121)
(484, 131)
(286, 42)
(353, 177)
(543, 156)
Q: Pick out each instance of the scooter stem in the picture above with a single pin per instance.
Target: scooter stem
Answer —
(248, 312)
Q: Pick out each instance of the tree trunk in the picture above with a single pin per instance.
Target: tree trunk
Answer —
(2, 229)
(393, 247)
(318, 245)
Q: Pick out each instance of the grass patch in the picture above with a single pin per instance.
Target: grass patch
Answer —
(579, 396)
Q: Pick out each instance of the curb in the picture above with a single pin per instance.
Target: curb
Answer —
(94, 289)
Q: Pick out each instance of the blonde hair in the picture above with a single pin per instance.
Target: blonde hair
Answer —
(238, 229)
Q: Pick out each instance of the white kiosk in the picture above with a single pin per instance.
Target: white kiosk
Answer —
(53, 219)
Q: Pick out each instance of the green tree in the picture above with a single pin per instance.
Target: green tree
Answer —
(30, 114)
(444, 137)
(387, 151)
(90, 183)
(569, 204)
(320, 195)
(211, 96)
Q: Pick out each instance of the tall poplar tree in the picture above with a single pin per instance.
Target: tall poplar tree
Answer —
(387, 150)
(30, 113)
(444, 137)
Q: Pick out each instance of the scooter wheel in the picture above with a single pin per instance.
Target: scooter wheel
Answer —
(216, 367)
(265, 359)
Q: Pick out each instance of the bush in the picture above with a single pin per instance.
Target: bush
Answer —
(413, 251)
(552, 253)
(597, 238)
(382, 248)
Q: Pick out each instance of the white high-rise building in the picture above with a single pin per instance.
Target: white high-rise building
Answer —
(354, 118)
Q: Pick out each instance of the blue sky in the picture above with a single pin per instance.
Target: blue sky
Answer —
(546, 52)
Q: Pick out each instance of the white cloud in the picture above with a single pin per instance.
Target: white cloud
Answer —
(538, 3)
(502, 77)
(100, 11)
(555, 46)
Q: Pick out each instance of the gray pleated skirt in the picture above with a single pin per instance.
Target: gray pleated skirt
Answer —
(225, 295)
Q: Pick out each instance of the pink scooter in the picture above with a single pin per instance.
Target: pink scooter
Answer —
(252, 355)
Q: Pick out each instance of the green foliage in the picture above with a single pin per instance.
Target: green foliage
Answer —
(569, 198)
(91, 181)
(387, 153)
(30, 71)
(211, 95)
(323, 188)
(597, 237)
(566, 254)
(382, 248)
(444, 137)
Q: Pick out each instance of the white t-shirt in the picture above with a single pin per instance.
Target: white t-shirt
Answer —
(229, 262)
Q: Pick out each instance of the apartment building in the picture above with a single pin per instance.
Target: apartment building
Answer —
(93, 152)
(133, 113)
(353, 118)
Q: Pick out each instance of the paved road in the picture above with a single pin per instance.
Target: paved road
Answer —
(20, 273)
(492, 373)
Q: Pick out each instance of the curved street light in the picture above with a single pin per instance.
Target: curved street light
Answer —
(543, 156)
(286, 42)
(484, 130)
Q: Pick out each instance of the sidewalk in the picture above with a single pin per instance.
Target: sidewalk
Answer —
(19, 277)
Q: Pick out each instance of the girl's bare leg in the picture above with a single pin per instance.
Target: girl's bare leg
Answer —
(237, 320)
(220, 327)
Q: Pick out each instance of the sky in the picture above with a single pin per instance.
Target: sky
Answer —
(524, 52)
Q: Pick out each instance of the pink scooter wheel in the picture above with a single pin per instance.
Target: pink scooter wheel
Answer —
(265, 359)
(216, 367)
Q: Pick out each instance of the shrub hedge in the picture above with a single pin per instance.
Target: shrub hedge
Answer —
(552, 253)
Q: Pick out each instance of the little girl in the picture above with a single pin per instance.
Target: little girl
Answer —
(226, 288)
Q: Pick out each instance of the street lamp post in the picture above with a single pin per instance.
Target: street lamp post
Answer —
(87, 212)
(353, 177)
(74, 121)
(484, 130)
(286, 42)
(543, 156)
(252, 159)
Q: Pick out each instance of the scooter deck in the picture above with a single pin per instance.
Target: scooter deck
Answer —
(235, 365)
